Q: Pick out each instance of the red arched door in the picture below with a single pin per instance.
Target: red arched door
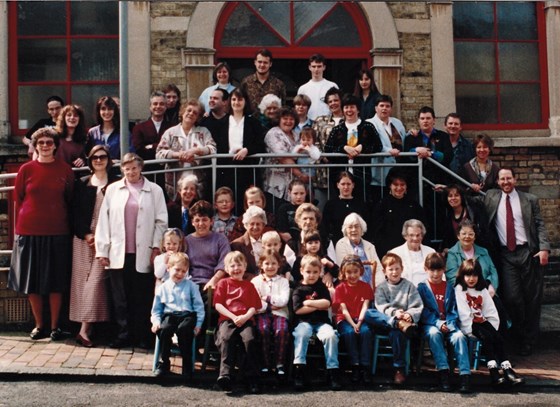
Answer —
(293, 31)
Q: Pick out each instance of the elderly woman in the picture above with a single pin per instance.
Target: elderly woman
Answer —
(269, 111)
(353, 229)
(89, 302)
(353, 137)
(392, 211)
(107, 131)
(254, 220)
(279, 140)
(131, 223)
(253, 196)
(413, 253)
(178, 210)
(185, 142)
(481, 171)
(464, 249)
(221, 77)
(41, 257)
(71, 127)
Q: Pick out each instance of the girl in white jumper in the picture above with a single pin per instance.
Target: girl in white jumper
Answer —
(479, 319)
(272, 318)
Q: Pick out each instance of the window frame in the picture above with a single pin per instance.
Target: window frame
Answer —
(543, 73)
(14, 83)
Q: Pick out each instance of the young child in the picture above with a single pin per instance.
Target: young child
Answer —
(312, 246)
(439, 323)
(177, 309)
(271, 240)
(224, 219)
(272, 316)
(479, 318)
(351, 301)
(285, 217)
(237, 301)
(307, 138)
(311, 302)
(172, 241)
(397, 298)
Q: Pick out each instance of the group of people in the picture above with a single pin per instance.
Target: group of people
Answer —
(360, 255)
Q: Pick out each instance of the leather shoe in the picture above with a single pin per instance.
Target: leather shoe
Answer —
(58, 334)
(86, 343)
(465, 386)
(512, 378)
(410, 329)
(38, 333)
(400, 378)
(444, 380)
(495, 377)
(224, 383)
(119, 343)
(162, 369)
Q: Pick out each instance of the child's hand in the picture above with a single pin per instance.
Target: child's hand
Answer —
(196, 331)
(444, 328)
(399, 314)
(357, 327)
(155, 327)
(328, 280)
(240, 320)
(327, 263)
(407, 317)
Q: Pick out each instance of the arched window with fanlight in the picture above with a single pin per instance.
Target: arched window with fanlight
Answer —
(293, 31)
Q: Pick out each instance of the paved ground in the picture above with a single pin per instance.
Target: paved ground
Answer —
(22, 357)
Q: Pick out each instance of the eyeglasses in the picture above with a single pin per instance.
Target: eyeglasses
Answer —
(48, 143)
(99, 157)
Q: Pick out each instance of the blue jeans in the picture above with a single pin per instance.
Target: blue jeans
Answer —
(325, 333)
(459, 342)
(384, 324)
(359, 346)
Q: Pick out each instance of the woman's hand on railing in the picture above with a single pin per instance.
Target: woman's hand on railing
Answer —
(241, 154)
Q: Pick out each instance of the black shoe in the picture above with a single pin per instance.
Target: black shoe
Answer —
(525, 350)
(512, 378)
(366, 374)
(162, 369)
(38, 333)
(465, 383)
(299, 376)
(120, 343)
(334, 379)
(224, 383)
(355, 378)
(495, 378)
(58, 335)
(444, 380)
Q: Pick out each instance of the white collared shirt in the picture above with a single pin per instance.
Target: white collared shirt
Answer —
(520, 235)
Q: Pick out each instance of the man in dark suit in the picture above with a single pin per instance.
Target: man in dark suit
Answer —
(520, 234)
(147, 134)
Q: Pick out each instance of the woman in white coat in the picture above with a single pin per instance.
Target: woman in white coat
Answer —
(132, 220)
(353, 229)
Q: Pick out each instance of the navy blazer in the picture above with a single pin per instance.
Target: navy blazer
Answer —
(430, 312)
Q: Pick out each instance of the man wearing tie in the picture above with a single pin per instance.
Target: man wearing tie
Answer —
(521, 236)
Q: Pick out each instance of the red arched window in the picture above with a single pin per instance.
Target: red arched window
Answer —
(293, 31)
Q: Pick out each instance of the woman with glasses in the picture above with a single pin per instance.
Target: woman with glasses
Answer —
(89, 301)
(41, 255)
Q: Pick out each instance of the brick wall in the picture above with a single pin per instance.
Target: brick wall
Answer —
(166, 64)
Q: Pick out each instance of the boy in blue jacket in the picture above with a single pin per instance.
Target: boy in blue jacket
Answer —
(439, 322)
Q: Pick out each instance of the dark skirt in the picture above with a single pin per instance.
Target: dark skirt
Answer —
(41, 264)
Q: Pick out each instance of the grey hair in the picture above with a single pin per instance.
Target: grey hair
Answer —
(413, 223)
(132, 157)
(352, 219)
(187, 179)
(269, 99)
(254, 212)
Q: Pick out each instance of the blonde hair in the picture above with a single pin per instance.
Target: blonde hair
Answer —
(173, 232)
(310, 260)
(233, 257)
(270, 236)
(178, 258)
